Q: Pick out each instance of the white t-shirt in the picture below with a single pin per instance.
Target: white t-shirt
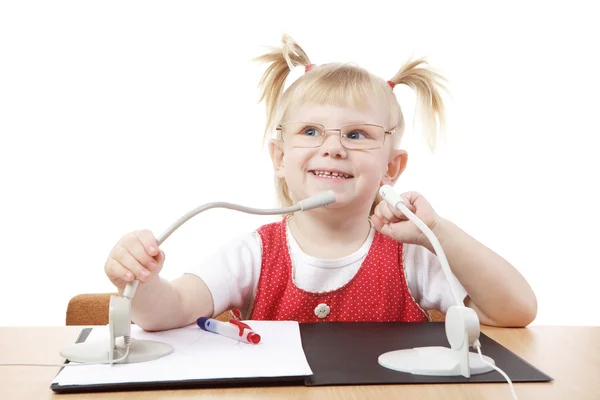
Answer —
(232, 273)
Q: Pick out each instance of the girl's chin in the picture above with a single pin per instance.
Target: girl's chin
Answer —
(342, 200)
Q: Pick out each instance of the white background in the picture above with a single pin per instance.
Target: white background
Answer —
(121, 115)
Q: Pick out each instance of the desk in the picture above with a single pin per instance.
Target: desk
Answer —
(571, 355)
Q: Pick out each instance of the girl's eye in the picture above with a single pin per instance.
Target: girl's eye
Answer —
(310, 131)
(354, 135)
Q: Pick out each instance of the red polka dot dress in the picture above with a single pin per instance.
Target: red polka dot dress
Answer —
(378, 291)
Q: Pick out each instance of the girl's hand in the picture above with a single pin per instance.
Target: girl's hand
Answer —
(136, 255)
(394, 224)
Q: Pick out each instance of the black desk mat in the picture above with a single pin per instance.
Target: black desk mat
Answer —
(346, 353)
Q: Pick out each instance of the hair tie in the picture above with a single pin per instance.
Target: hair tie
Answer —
(308, 67)
(391, 84)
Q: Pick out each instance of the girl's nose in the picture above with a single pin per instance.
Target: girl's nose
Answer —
(333, 147)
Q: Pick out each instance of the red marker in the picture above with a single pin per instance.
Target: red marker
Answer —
(233, 329)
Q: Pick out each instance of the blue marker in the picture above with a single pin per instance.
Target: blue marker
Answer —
(233, 329)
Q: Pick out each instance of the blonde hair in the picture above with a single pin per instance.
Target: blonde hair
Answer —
(345, 85)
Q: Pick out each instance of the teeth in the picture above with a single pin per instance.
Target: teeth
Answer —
(326, 174)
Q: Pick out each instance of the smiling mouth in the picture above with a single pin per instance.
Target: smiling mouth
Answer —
(331, 175)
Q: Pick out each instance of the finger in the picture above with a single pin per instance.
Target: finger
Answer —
(383, 213)
(136, 248)
(115, 271)
(376, 211)
(377, 222)
(382, 225)
(410, 207)
(160, 258)
(127, 260)
(148, 240)
(392, 215)
(410, 199)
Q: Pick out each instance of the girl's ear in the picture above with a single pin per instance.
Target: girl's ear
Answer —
(276, 152)
(395, 167)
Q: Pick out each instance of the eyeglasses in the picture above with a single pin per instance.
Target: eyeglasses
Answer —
(352, 137)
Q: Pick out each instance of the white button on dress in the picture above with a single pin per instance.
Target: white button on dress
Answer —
(322, 310)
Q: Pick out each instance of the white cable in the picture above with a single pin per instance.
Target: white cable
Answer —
(477, 345)
(71, 364)
(389, 195)
(316, 201)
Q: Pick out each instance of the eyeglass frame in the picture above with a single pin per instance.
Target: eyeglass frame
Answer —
(391, 131)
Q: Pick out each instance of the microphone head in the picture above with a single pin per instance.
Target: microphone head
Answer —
(388, 194)
(318, 200)
(385, 190)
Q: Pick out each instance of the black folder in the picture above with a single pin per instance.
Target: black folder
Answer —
(346, 353)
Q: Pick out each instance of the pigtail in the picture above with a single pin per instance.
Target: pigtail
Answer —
(282, 61)
(427, 85)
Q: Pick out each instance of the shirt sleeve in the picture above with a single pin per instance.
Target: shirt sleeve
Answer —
(232, 272)
(426, 279)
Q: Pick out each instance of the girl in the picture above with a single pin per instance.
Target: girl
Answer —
(337, 127)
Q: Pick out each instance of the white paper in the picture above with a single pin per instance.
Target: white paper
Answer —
(199, 354)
